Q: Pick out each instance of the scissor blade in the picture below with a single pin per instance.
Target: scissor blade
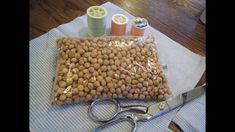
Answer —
(172, 103)
(185, 97)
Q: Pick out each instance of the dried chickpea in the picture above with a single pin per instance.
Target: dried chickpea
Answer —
(72, 65)
(100, 89)
(122, 76)
(111, 62)
(109, 51)
(80, 87)
(110, 85)
(160, 96)
(139, 85)
(88, 97)
(125, 93)
(160, 91)
(108, 67)
(80, 74)
(62, 97)
(62, 84)
(103, 74)
(96, 66)
(148, 97)
(117, 62)
(87, 64)
(134, 81)
(120, 96)
(105, 62)
(74, 85)
(112, 90)
(100, 61)
(103, 68)
(85, 71)
(75, 77)
(81, 62)
(114, 67)
(93, 79)
(120, 83)
(96, 83)
(81, 94)
(169, 92)
(60, 90)
(95, 73)
(69, 94)
(86, 89)
(165, 96)
(75, 70)
(93, 92)
(103, 82)
(93, 54)
(130, 96)
(104, 96)
(115, 95)
(108, 79)
(91, 69)
(145, 83)
(142, 96)
(74, 60)
(141, 80)
(86, 54)
(128, 79)
(118, 72)
(99, 78)
(80, 68)
(109, 94)
(90, 85)
(94, 60)
(144, 75)
(71, 54)
(132, 90)
(150, 82)
(135, 96)
(118, 91)
(104, 51)
(105, 57)
(77, 55)
(155, 82)
(85, 59)
(89, 58)
(85, 48)
(65, 70)
(59, 78)
(119, 55)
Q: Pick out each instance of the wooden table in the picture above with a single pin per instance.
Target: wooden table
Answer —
(178, 19)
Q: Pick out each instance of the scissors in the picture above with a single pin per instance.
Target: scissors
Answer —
(144, 113)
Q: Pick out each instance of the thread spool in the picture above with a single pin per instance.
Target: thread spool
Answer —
(96, 19)
(138, 26)
(119, 22)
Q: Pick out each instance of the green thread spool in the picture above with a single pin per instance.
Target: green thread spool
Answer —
(96, 19)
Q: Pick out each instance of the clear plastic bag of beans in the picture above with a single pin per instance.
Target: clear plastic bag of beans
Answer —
(108, 67)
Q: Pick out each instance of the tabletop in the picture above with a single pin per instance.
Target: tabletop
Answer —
(177, 19)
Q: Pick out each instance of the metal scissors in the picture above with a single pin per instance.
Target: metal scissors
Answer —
(144, 113)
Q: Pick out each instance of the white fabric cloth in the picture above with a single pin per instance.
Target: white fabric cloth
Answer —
(184, 71)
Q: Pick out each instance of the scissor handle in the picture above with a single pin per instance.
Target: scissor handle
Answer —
(119, 109)
(128, 117)
(95, 118)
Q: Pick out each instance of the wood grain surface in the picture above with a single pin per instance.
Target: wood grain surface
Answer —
(177, 19)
